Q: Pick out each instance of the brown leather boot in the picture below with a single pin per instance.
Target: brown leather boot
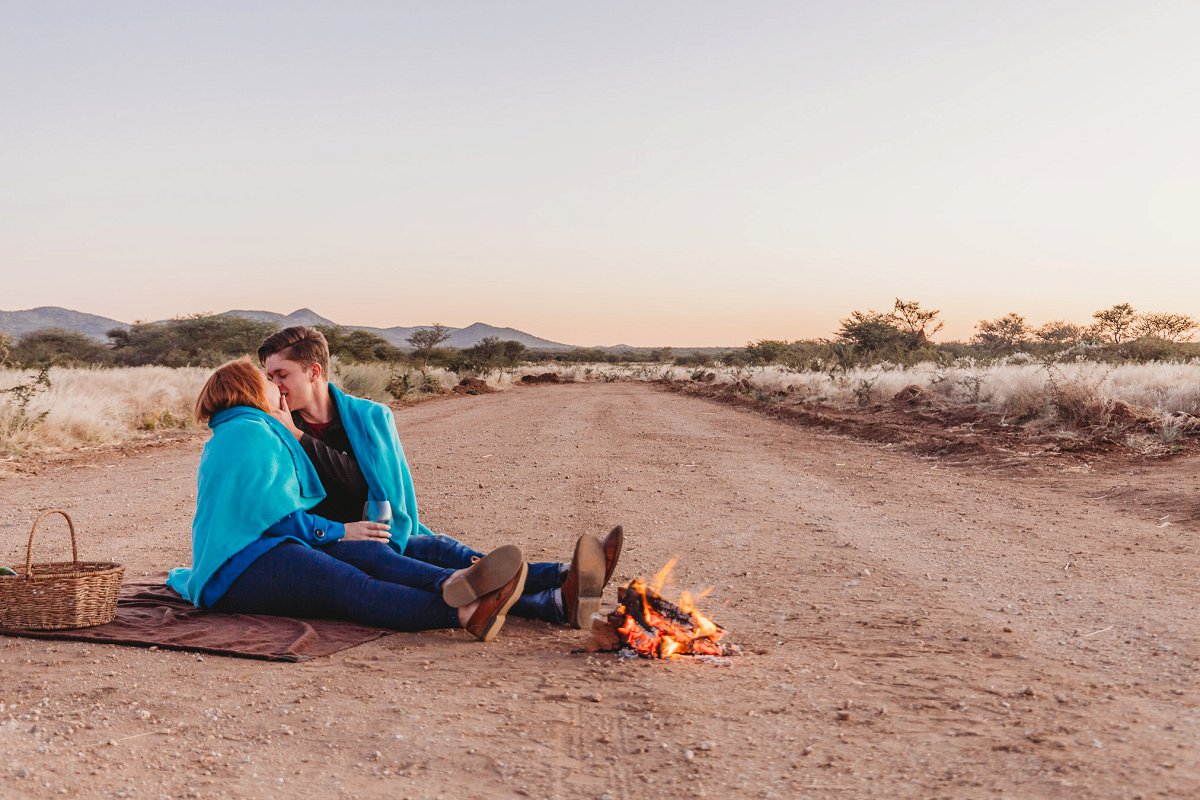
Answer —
(612, 544)
(486, 575)
(489, 618)
(584, 584)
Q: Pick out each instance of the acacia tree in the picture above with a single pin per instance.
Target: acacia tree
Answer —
(1059, 333)
(872, 332)
(357, 345)
(424, 340)
(5, 347)
(766, 351)
(1114, 324)
(905, 328)
(491, 352)
(913, 319)
(196, 340)
(1003, 334)
(1169, 327)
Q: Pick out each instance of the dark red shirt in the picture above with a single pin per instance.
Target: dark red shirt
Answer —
(328, 448)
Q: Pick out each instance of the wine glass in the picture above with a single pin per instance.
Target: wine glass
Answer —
(377, 511)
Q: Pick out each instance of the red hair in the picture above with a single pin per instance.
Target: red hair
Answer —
(235, 383)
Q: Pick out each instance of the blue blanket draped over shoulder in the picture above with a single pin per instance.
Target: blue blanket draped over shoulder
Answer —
(252, 474)
(371, 429)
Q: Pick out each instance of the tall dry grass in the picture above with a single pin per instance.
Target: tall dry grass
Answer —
(87, 406)
(1082, 394)
(93, 406)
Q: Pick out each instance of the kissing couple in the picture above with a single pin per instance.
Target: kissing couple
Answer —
(293, 466)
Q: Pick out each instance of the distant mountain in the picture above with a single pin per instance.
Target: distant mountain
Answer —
(398, 336)
(19, 323)
(301, 316)
(477, 332)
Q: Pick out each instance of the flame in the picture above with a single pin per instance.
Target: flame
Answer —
(668, 648)
(670, 632)
(660, 578)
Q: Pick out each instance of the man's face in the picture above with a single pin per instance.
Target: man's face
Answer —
(296, 382)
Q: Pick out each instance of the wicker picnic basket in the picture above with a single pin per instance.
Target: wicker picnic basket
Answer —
(59, 595)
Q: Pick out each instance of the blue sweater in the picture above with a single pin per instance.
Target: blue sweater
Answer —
(253, 473)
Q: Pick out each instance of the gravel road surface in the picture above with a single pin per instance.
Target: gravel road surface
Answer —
(912, 628)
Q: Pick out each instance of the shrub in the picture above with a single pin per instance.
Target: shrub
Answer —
(1145, 348)
(872, 333)
(17, 423)
(694, 360)
(62, 347)
(353, 345)
(1078, 399)
(489, 354)
(199, 340)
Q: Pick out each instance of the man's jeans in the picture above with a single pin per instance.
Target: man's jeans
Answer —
(540, 599)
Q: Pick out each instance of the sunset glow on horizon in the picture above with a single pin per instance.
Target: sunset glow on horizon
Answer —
(686, 174)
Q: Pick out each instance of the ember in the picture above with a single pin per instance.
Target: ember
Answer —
(653, 627)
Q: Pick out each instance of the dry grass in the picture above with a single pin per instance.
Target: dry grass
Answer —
(1166, 388)
(92, 406)
(1082, 395)
(86, 406)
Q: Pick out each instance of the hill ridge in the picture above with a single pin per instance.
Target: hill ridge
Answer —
(20, 322)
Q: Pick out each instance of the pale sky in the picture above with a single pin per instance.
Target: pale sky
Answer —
(685, 173)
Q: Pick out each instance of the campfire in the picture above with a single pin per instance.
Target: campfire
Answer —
(648, 625)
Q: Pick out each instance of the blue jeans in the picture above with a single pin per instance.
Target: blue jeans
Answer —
(294, 580)
(269, 585)
(538, 600)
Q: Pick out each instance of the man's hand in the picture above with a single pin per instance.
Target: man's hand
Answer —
(367, 531)
(284, 415)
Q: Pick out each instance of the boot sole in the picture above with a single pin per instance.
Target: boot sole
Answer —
(617, 534)
(483, 577)
(589, 560)
(494, 625)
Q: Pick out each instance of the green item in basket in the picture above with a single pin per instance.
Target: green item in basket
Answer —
(7, 571)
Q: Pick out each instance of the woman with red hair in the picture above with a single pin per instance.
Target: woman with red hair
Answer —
(256, 549)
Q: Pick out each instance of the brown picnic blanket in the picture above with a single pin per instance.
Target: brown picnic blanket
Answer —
(151, 615)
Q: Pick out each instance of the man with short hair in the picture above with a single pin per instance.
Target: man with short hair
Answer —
(357, 453)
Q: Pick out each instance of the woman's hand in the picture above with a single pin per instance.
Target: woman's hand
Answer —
(367, 531)
(284, 415)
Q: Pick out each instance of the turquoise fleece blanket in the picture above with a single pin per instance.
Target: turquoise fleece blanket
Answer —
(252, 474)
(371, 429)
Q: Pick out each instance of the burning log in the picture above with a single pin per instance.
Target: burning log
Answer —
(653, 627)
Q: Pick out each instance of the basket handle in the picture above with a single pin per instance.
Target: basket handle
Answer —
(33, 530)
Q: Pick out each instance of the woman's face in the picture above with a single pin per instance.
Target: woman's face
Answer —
(292, 380)
(272, 393)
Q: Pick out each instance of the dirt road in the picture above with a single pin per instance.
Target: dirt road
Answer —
(912, 629)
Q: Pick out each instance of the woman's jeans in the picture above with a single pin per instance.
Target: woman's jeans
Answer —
(294, 580)
(369, 583)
